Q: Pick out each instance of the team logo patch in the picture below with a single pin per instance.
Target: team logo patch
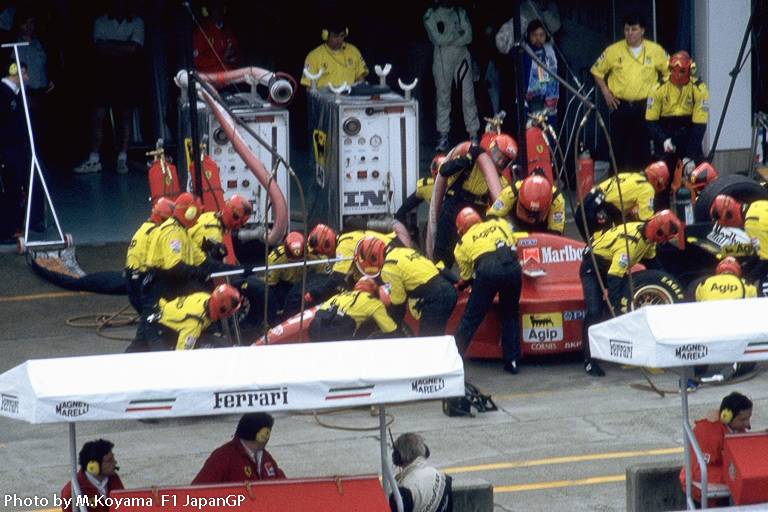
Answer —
(175, 245)
(649, 104)
(558, 217)
(623, 260)
(755, 243)
(498, 204)
(705, 105)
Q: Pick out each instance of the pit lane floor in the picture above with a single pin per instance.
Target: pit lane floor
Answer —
(561, 440)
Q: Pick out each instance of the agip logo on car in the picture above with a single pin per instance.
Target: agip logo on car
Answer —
(543, 328)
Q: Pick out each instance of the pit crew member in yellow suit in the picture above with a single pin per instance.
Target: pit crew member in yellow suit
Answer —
(172, 265)
(535, 205)
(753, 218)
(136, 257)
(340, 61)
(603, 204)
(340, 317)
(616, 252)
(467, 186)
(677, 112)
(409, 275)
(180, 323)
(487, 258)
(727, 283)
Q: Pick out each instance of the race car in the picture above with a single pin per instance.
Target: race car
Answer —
(551, 303)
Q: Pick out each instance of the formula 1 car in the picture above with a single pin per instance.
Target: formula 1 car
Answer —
(551, 303)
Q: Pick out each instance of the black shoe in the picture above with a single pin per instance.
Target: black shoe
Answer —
(592, 368)
(512, 367)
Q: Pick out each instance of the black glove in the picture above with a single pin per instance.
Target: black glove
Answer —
(247, 270)
(475, 151)
(219, 251)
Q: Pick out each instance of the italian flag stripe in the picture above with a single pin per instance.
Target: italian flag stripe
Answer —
(352, 392)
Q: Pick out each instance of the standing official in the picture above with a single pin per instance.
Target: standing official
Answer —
(625, 73)
(487, 259)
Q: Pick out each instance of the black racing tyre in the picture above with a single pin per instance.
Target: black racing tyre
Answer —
(653, 287)
(739, 186)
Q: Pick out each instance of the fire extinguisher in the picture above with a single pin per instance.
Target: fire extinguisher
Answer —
(585, 173)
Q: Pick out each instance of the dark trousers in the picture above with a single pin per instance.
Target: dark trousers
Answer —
(629, 136)
(497, 272)
(599, 214)
(595, 305)
(446, 236)
(329, 325)
(436, 301)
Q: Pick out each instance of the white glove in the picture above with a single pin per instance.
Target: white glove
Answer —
(668, 146)
(688, 166)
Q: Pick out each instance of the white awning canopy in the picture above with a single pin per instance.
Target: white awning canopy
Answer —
(302, 376)
(686, 334)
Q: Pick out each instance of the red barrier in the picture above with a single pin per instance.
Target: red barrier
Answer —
(328, 494)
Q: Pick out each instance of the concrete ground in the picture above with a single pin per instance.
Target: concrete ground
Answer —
(560, 441)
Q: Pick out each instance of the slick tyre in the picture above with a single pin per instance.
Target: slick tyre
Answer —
(653, 287)
(740, 187)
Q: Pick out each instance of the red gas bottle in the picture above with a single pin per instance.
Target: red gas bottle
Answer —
(585, 173)
(163, 180)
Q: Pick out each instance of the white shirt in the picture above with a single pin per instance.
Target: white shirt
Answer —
(109, 29)
(101, 486)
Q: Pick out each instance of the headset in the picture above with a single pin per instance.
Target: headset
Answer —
(726, 416)
(397, 457)
(204, 10)
(93, 467)
(262, 436)
(325, 34)
(13, 69)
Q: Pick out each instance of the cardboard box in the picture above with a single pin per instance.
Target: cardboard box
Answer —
(746, 467)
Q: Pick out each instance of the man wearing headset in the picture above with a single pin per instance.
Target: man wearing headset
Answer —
(245, 456)
(97, 477)
(339, 61)
(422, 487)
(733, 416)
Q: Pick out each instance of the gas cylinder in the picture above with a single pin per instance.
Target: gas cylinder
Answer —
(585, 173)
(683, 205)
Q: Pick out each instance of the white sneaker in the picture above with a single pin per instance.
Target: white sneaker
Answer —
(87, 167)
(122, 166)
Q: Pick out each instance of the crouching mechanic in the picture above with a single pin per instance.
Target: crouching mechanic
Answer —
(340, 317)
(628, 193)
(535, 203)
(727, 283)
(136, 257)
(615, 253)
(487, 259)
(421, 486)
(753, 219)
(408, 275)
(180, 323)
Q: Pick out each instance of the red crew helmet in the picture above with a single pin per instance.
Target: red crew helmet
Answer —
(322, 240)
(702, 176)
(534, 199)
(186, 209)
(369, 256)
(224, 301)
(663, 227)
(467, 218)
(294, 246)
(161, 210)
(236, 212)
(436, 163)
(658, 175)
(680, 68)
(726, 211)
(503, 149)
(729, 265)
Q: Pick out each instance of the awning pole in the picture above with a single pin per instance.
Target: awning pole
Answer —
(76, 492)
(390, 486)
